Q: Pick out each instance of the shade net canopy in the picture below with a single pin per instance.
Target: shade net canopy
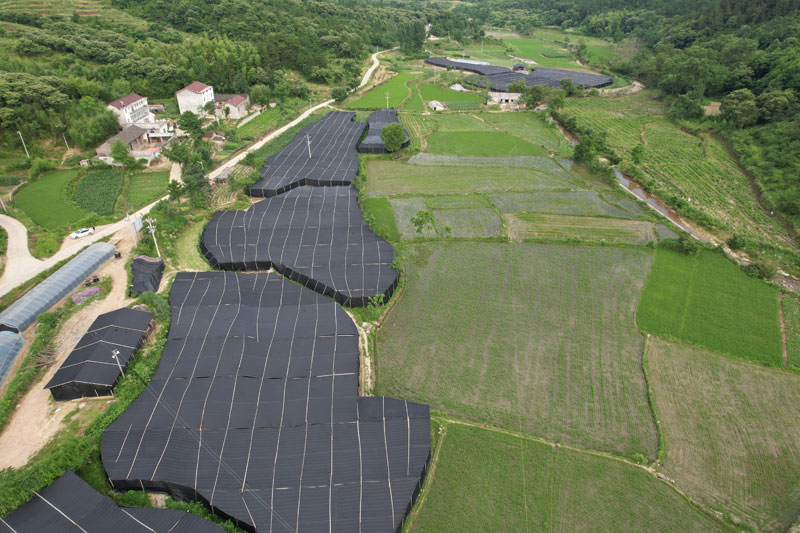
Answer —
(147, 273)
(373, 143)
(313, 235)
(550, 77)
(333, 160)
(70, 504)
(94, 365)
(477, 68)
(254, 410)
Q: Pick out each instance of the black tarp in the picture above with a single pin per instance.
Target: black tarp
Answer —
(70, 504)
(373, 143)
(313, 235)
(254, 410)
(333, 160)
(91, 368)
(500, 78)
(146, 274)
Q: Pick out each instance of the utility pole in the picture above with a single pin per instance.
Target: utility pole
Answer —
(65, 140)
(152, 229)
(23, 144)
(387, 99)
(308, 143)
(114, 355)
(133, 228)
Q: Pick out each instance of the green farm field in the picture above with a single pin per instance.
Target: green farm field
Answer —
(527, 125)
(146, 187)
(535, 225)
(533, 338)
(708, 301)
(791, 318)
(257, 126)
(43, 200)
(378, 213)
(98, 191)
(492, 481)
(375, 98)
(481, 143)
(731, 432)
(697, 169)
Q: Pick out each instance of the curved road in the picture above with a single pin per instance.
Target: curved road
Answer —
(21, 266)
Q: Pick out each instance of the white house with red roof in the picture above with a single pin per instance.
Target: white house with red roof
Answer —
(232, 105)
(131, 109)
(194, 97)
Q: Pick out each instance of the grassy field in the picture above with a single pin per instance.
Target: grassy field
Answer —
(378, 213)
(527, 125)
(187, 248)
(586, 203)
(515, 338)
(146, 187)
(415, 103)
(696, 169)
(404, 210)
(375, 98)
(481, 143)
(545, 53)
(43, 200)
(731, 432)
(526, 224)
(791, 317)
(491, 481)
(708, 301)
(434, 92)
(98, 191)
(394, 178)
(255, 127)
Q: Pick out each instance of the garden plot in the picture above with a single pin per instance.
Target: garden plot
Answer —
(487, 480)
(708, 301)
(404, 210)
(476, 222)
(535, 338)
(528, 225)
(561, 203)
(731, 432)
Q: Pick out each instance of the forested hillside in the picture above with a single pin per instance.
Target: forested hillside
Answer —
(59, 68)
(744, 54)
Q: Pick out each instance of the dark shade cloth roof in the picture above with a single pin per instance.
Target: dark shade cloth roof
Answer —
(146, 274)
(125, 100)
(333, 160)
(372, 143)
(91, 368)
(254, 410)
(314, 235)
(484, 70)
(69, 504)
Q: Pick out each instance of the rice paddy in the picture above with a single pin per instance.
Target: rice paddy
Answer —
(708, 301)
(481, 143)
(43, 200)
(533, 338)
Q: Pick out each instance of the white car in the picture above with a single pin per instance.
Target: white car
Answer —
(83, 232)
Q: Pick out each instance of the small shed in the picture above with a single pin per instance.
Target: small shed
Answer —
(95, 364)
(436, 105)
(519, 67)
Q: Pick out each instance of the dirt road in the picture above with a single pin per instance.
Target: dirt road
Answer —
(19, 260)
(38, 418)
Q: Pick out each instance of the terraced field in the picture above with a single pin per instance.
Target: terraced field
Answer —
(731, 432)
(487, 481)
(697, 169)
(533, 338)
(708, 301)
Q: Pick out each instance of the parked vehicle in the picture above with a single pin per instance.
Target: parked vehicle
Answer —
(83, 232)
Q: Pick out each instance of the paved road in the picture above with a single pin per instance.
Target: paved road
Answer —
(19, 259)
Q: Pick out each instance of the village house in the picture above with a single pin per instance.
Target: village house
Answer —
(133, 137)
(235, 104)
(194, 97)
(131, 109)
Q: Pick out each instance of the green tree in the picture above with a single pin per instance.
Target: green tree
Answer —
(637, 153)
(119, 151)
(339, 93)
(421, 220)
(393, 136)
(568, 86)
(776, 105)
(191, 123)
(739, 107)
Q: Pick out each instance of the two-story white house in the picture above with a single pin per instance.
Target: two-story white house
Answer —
(130, 109)
(194, 97)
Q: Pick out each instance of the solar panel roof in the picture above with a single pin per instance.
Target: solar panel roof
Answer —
(69, 504)
(254, 409)
(314, 235)
(333, 159)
